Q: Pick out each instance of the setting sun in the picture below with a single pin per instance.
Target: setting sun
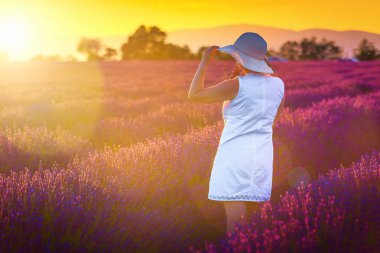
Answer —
(14, 36)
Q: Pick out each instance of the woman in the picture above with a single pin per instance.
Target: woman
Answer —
(242, 171)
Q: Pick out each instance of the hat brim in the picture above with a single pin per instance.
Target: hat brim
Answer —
(247, 61)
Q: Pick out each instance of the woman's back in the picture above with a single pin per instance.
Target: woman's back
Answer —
(243, 165)
(255, 106)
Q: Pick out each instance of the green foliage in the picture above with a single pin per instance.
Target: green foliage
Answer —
(310, 49)
(148, 43)
(91, 47)
(290, 50)
(366, 51)
(324, 50)
(110, 54)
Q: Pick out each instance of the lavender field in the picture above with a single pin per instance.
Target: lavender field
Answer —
(112, 157)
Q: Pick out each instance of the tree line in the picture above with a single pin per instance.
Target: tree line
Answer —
(148, 43)
(311, 49)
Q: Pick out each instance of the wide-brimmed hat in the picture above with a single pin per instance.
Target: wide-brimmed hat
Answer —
(250, 51)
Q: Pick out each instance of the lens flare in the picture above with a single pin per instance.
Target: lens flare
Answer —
(297, 175)
(14, 36)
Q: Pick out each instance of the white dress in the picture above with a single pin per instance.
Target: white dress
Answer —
(243, 164)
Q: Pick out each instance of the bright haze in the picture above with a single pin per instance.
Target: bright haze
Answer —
(28, 28)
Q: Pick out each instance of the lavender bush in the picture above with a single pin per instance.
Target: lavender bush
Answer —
(336, 213)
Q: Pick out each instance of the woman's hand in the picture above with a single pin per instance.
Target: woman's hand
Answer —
(209, 53)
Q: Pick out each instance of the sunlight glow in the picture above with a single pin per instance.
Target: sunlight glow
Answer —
(14, 36)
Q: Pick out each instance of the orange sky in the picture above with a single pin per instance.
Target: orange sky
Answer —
(39, 22)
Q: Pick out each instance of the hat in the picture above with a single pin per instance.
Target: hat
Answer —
(250, 51)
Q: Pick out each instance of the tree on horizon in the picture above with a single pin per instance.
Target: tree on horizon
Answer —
(366, 51)
(110, 54)
(290, 50)
(148, 43)
(90, 47)
(310, 49)
(323, 50)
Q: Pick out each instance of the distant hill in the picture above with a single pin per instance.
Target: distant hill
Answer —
(275, 37)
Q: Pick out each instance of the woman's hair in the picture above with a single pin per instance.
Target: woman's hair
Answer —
(239, 70)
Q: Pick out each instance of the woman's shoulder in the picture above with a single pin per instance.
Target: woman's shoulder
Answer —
(277, 80)
(281, 83)
(270, 77)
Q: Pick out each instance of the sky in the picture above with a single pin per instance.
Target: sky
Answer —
(29, 25)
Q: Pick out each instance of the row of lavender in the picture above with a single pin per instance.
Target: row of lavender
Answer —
(125, 103)
(336, 213)
(307, 140)
(152, 195)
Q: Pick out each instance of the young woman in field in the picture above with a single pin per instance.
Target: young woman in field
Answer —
(252, 99)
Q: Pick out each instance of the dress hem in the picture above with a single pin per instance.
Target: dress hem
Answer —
(239, 197)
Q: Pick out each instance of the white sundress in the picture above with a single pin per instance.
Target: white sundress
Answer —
(243, 164)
